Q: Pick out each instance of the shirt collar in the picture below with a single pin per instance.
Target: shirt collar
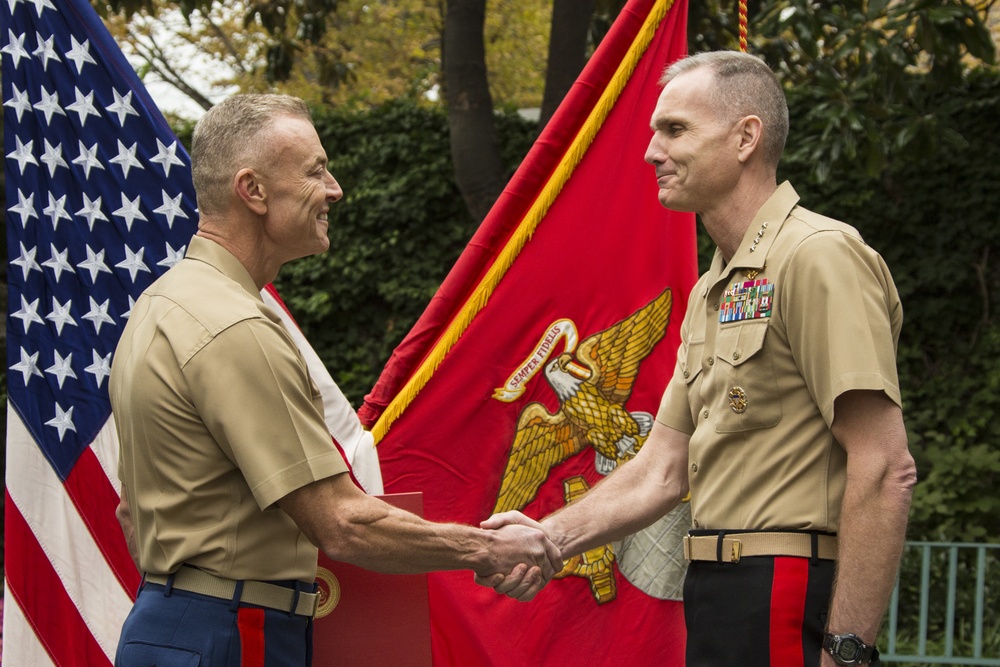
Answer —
(752, 253)
(213, 254)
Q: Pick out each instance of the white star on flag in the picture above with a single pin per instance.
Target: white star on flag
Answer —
(94, 263)
(80, 54)
(15, 47)
(133, 262)
(23, 154)
(28, 366)
(129, 211)
(49, 105)
(19, 102)
(60, 315)
(166, 156)
(58, 262)
(171, 208)
(126, 158)
(100, 368)
(63, 421)
(98, 314)
(28, 314)
(26, 260)
(88, 158)
(84, 106)
(122, 106)
(62, 368)
(91, 210)
(25, 207)
(52, 157)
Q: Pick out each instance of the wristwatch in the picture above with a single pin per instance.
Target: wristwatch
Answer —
(848, 649)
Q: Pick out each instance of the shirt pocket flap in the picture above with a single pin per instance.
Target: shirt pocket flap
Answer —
(689, 358)
(736, 344)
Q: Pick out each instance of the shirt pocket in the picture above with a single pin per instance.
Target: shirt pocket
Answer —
(749, 389)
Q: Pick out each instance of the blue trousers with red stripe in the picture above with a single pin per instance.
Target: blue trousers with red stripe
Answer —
(175, 628)
(763, 611)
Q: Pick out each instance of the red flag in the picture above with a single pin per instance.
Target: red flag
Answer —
(99, 203)
(542, 359)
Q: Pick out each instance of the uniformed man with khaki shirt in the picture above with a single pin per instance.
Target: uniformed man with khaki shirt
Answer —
(230, 478)
(783, 417)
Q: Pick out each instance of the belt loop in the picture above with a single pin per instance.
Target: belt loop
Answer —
(295, 598)
(234, 604)
(814, 543)
(168, 587)
(718, 546)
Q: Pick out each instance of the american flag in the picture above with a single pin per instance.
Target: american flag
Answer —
(99, 204)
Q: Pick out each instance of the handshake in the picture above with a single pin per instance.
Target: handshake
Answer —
(522, 556)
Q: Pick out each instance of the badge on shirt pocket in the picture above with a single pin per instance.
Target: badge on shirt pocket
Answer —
(749, 388)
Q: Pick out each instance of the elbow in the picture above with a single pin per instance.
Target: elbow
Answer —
(900, 479)
(345, 537)
(905, 475)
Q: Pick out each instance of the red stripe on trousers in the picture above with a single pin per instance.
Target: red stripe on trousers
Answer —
(788, 605)
(251, 626)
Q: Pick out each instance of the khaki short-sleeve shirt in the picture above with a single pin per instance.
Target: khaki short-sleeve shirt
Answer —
(804, 312)
(218, 420)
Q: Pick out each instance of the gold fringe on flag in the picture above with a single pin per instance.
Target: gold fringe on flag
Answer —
(573, 156)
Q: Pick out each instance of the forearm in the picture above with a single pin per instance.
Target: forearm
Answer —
(350, 526)
(380, 537)
(880, 479)
(871, 537)
(638, 493)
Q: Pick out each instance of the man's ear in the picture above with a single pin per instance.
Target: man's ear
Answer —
(250, 189)
(751, 135)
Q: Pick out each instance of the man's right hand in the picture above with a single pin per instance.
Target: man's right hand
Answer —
(531, 569)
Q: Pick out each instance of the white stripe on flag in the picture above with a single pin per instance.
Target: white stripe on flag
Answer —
(105, 448)
(40, 496)
(20, 645)
(341, 419)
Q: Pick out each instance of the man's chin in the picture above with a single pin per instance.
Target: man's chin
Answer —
(674, 203)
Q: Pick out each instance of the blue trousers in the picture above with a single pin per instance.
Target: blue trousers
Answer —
(175, 628)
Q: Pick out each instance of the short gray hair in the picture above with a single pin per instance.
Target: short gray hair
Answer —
(744, 86)
(230, 137)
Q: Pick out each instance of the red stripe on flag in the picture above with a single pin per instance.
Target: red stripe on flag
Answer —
(96, 500)
(788, 606)
(43, 600)
(251, 625)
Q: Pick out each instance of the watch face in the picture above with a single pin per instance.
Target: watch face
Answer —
(848, 649)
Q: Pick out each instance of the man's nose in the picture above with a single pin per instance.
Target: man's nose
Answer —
(333, 190)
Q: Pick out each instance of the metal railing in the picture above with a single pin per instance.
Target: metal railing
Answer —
(957, 588)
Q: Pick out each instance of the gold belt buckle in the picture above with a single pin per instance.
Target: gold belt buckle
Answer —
(737, 549)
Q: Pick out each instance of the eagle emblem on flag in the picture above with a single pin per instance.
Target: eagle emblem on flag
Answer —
(593, 383)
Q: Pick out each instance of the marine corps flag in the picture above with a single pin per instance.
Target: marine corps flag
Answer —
(540, 362)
